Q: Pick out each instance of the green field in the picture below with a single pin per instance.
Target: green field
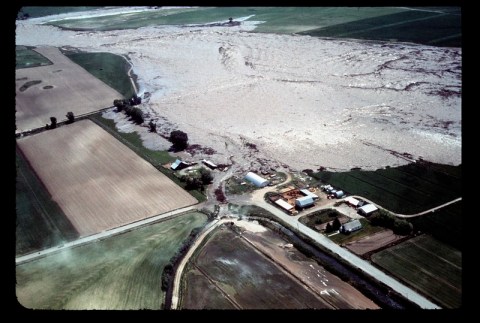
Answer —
(40, 223)
(423, 27)
(366, 230)
(429, 266)
(155, 157)
(26, 57)
(41, 11)
(319, 217)
(434, 26)
(110, 68)
(444, 224)
(120, 272)
(406, 189)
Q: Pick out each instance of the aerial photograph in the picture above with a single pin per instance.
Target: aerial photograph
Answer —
(238, 158)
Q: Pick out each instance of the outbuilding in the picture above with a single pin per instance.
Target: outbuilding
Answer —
(308, 193)
(339, 194)
(284, 205)
(352, 201)
(303, 202)
(351, 226)
(256, 180)
(367, 209)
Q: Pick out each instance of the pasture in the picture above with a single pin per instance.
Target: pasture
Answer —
(405, 189)
(98, 182)
(40, 223)
(429, 266)
(120, 272)
(26, 57)
(109, 68)
(58, 89)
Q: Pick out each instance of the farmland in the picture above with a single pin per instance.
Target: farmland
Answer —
(26, 57)
(56, 90)
(98, 182)
(428, 265)
(253, 271)
(439, 27)
(405, 189)
(120, 272)
(110, 68)
(40, 222)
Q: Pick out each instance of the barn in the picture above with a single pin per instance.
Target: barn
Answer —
(367, 209)
(303, 202)
(308, 193)
(351, 226)
(256, 180)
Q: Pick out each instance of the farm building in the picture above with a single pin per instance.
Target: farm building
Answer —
(351, 226)
(284, 205)
(304, 201)
(178, 164)
(352, 201)
(367, 209)
(308, 193)
(256, 180)
(209, 164)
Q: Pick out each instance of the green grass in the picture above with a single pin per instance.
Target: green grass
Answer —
(40, 223)
(41, 11)
(366, 230)
(26, 57)
(233, 186)
(155, 157)
(319, 217)
(406, 189)
(444, 224)
(441, 29)
(120, 272)
(428, 265)
(110, 68)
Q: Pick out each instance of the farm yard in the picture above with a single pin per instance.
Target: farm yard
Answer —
(120, 272)
(98, 182)
(428, 265)
(405, 189)
(53, 90)
(255, 270)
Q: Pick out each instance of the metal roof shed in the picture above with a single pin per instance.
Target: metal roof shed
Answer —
(308, 193)
(304, 201)
(367, 209)
(283, 204)
(256, 180)
(352, 201)
(351, 226)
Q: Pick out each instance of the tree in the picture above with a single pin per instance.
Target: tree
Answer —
(53, 124)
(137, 115)
(328, 228)
(179, 139)
(70, 117)
(336, 224)
(135, 100)
(205, 176)
(120, 104)
(153, 126)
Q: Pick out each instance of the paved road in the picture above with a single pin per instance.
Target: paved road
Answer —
(348, 256)
(102, 235)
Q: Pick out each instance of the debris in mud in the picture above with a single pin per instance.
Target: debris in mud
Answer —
(198, 149)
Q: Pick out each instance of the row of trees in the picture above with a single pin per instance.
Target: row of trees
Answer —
(53, 121)
(135, 113)
(333, 226)
(385, 219)
(197, 181)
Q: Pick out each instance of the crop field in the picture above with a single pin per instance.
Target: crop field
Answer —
(428, 265)
(372, 242)
(110, 68)
(40, 223)
(253, 271)
(26, 57)
(406, 189)
(444, 224)
(53, 90)
(121, 272)
(98, 182)
(436, 27)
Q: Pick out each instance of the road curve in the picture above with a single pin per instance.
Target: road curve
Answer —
(102, 235)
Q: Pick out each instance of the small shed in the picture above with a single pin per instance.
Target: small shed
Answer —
(351, 226)
(256, 180)
(352, 201)
(209, 164)
(367, 209)
(308, 193)
(339, 194)
(179, 164)
(303, 202)
(283, 204)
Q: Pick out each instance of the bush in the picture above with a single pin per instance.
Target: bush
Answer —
(70, 117)
(205, 176)
(137, 115)
(179, 139)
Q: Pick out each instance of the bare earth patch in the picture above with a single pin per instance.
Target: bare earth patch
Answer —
(98, 182)
(373, 242)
